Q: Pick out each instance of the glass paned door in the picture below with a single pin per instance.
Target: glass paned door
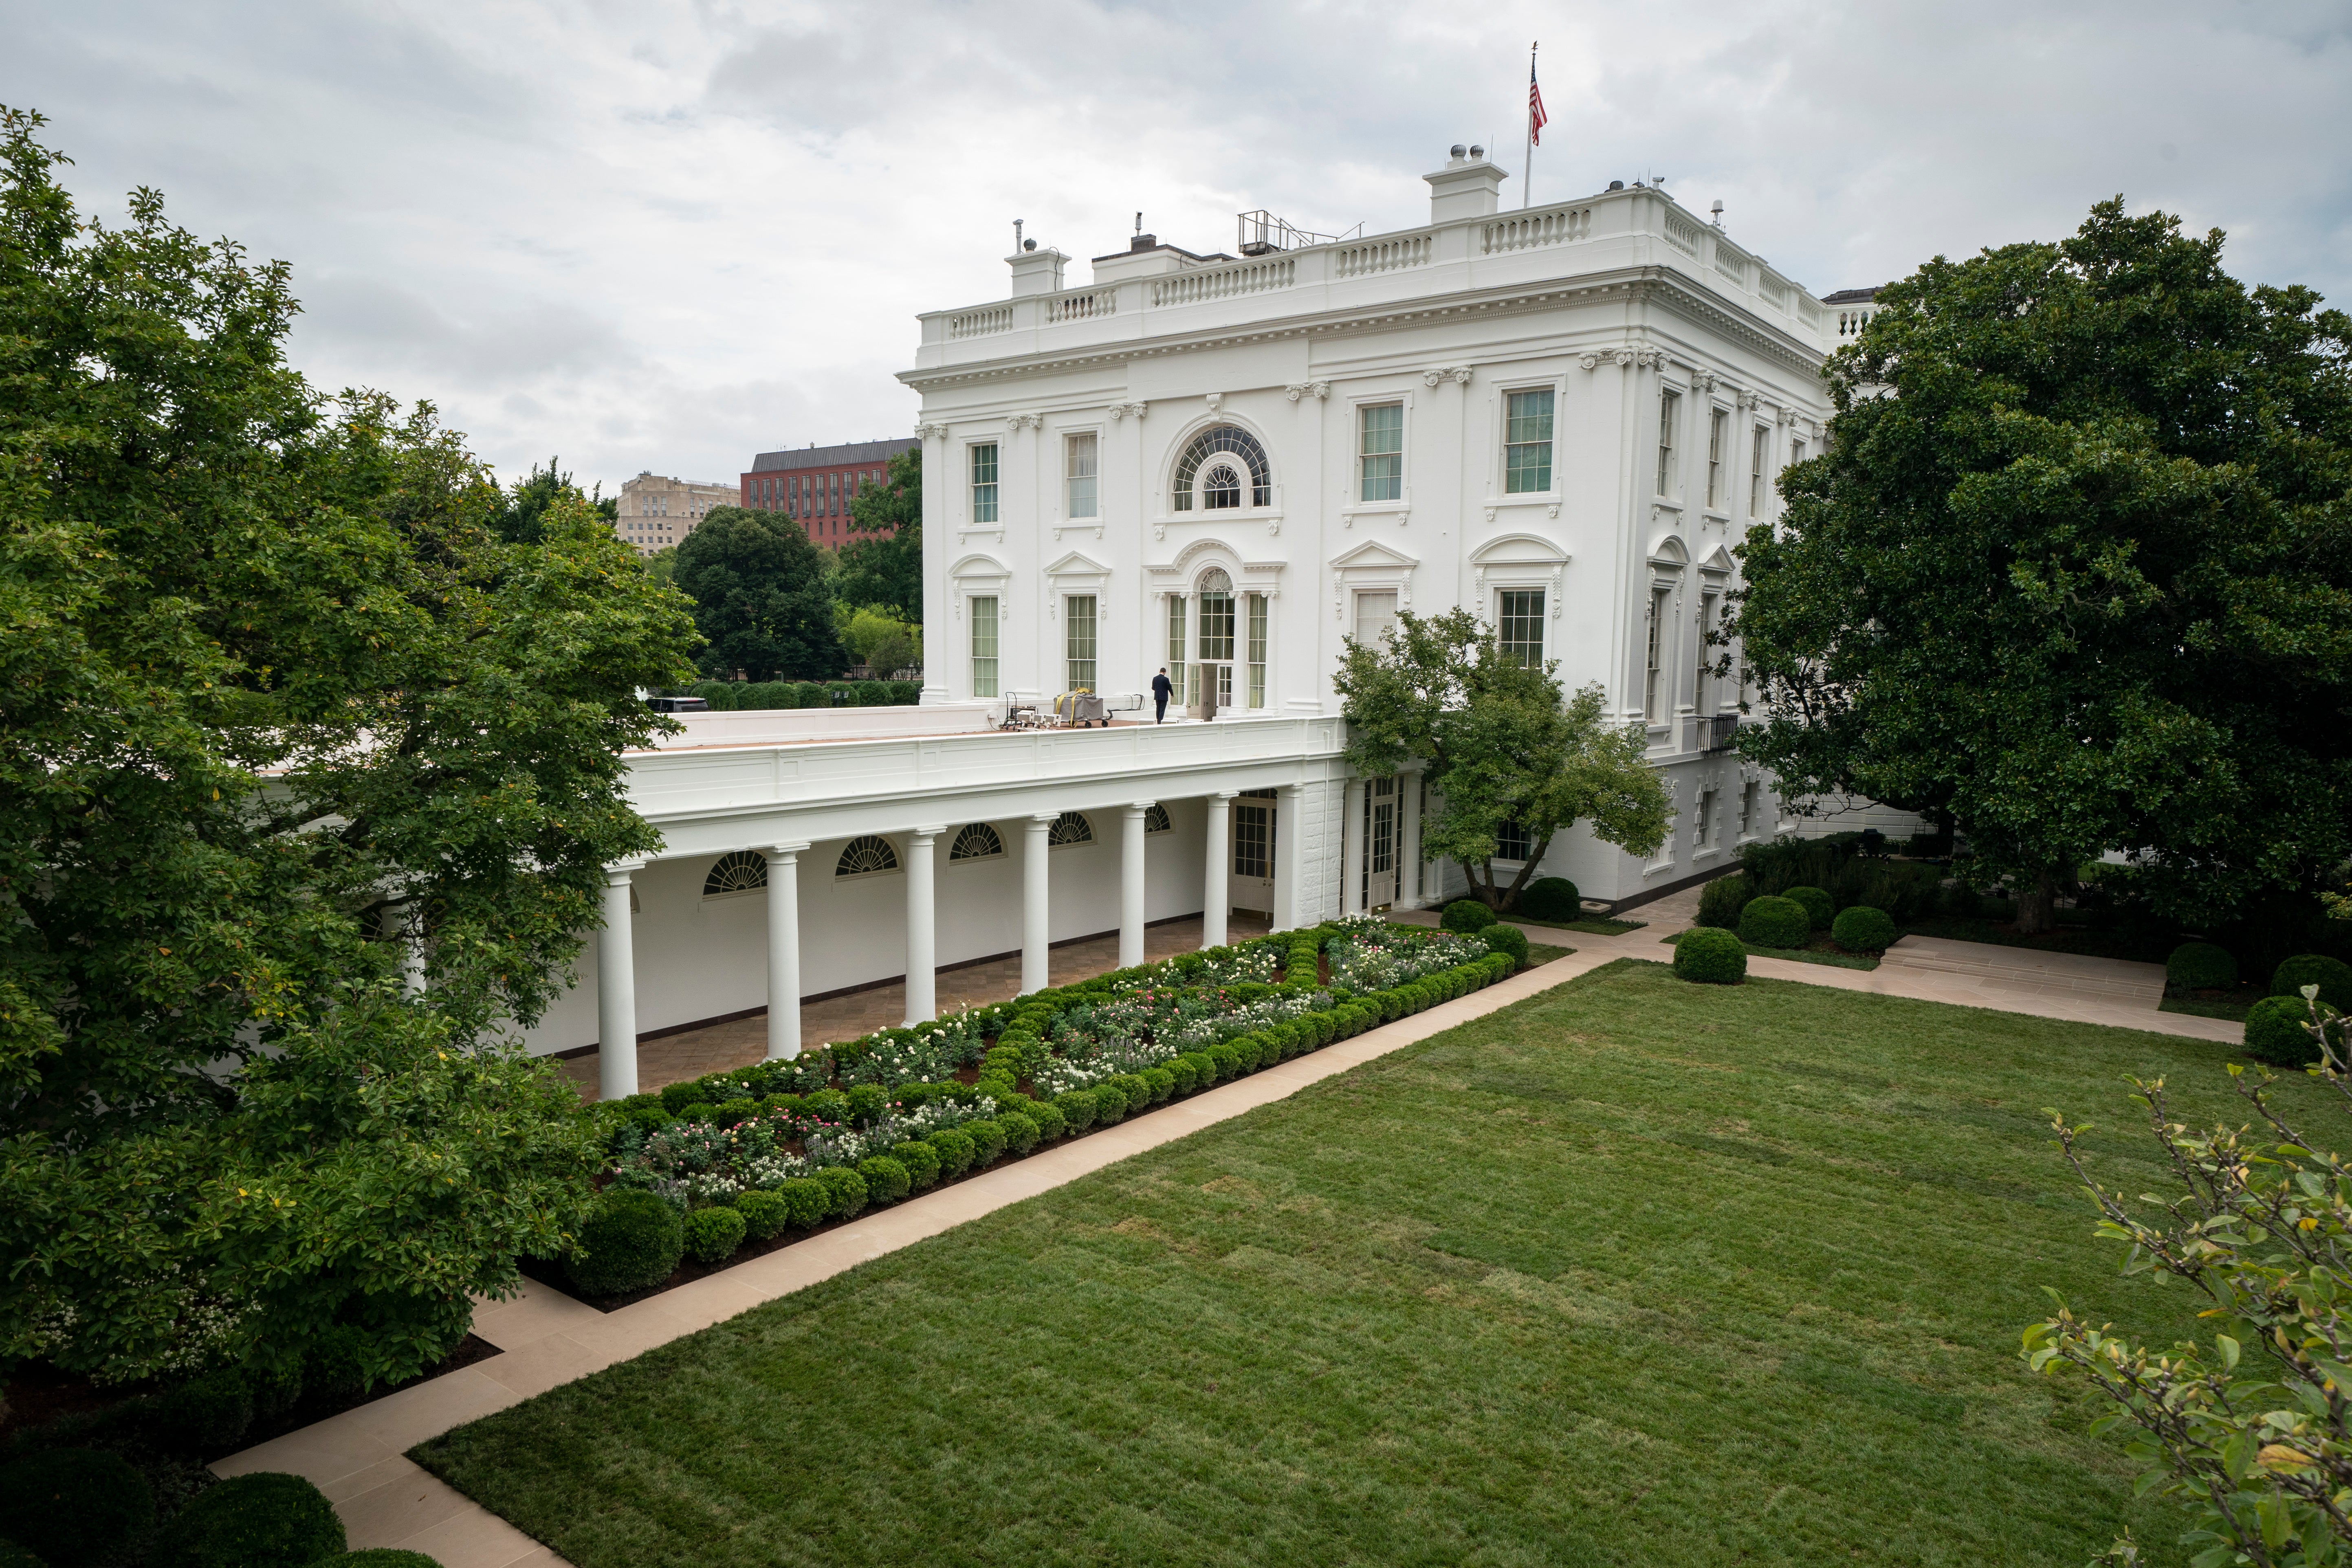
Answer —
(1381, 844)
(1252, 889)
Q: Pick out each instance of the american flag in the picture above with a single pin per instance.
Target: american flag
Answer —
(1535, 104)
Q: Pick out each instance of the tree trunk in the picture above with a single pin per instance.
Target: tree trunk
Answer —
(2037, 907)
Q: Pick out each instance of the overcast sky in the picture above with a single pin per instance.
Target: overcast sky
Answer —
(667, 234)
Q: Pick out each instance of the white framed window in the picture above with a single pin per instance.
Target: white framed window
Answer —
(1216, 616)
(976, 841)
(1702, 833)
(1257, 649)
(1155, 819)
(1380, 451)
(1670, 412)
(1747, 809)
(1069, 830)
(1758, 452)
(1081, 457)
(1376, 612)
(984, 481)
(734, 874)
(984, 629)
(1078, 639)
(1706, 602)
(1514, 842)
(1796, 453)
(1654, 680)
(1519, 626)
(868, 855)
(1179, 647)
(1527, 441)
(1225, 466)
(1718, 431)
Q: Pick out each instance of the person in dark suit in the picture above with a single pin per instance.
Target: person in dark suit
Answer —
(1161, 690)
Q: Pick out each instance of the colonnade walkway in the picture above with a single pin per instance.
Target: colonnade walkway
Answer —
(546, 1339)
(739, 1042)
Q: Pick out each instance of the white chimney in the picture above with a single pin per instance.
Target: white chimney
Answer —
(1036, 271)
(1466, 187)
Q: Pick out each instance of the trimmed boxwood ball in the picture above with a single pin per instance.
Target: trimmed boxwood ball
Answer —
(1228, 1059)
(1185, 1073)
(765, 1214)
(1465, 916)
(1709, 955)
(1819, 906)
(631, 1240)
(1162, 1080)
(1079, 1108)
(987, 1139)
(2276, 1033)
(922, 1162)
(205, 1415)
(2332, 976)
(265, 1520)
(1863, 930)
(1551, 898)
(844, 1189)
(807, 1200)
(955, 1148)
(1110, 1103)
(2200, 966)
(1506, 939)
(886, 1179)
(69, 1507)
(1020, 1130)
(712, 1234)
(1051, 1122)
(1772, 921)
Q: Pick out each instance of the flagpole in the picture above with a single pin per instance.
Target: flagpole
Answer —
(1527, 182)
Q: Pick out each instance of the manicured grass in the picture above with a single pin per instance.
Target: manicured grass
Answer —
(1634, 1272)
(1539, 953)
(2233, 1008)
(1593, 926)
(1824, 951)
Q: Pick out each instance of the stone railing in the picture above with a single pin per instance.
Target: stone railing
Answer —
(1223, 282)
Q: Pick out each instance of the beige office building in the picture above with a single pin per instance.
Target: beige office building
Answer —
(656, 511)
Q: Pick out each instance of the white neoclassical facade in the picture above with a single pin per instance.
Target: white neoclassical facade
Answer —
(1562, 419)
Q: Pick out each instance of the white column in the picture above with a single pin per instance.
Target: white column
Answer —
(922, 927)
(1037, 968)
(1289, 833)
(1351, 850)
(784, 950)
(1216, 895)
(1131, 884)
(617, 989)
(393, 924)
(1408, 858)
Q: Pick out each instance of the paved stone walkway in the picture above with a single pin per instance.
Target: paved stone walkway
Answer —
(359, 1458)
(739, 1042)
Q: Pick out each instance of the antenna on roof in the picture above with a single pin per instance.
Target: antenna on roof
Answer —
(1717, 210)
(1138, 222)
(1016, 233)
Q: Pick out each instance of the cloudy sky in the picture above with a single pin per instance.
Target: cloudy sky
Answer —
(667, 234)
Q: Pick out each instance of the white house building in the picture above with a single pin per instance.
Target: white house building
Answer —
(1562, 419)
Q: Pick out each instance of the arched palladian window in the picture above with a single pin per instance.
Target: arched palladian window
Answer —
(1070, 828)
(866, 856)
(744, 871)
(1223, 466)
(976, 841)
(1155, 818)
(1217, 615)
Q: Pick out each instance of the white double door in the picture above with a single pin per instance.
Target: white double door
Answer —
(1252, 886)
(1383, 843)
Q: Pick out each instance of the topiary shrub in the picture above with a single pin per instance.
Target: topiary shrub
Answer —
(887, 1180)
(69, 1507)
(868, 1101)
(765, 1214)
(1051, 1122)
(1508, 940)
(844, 1192)
(1110, 1103)
(712, 1234)
(1863, 930)
(261, 1521)
(2332, 976)
(2276, 1033)
(1707, 956)
(922, 1162)
(632, 1239)
(1721, 901)
(2200, 966)
(987, 1142)
(1079, 1108)
(1465, 916)
(1228, 1059)
(828, 1105)
(207, 1415)
(955, 1150)
(679, 1095)
(1020, 1130)
(1820, 908)
(1770, 922)
(808, 1200)
(1185, 1072)
(1551, 898)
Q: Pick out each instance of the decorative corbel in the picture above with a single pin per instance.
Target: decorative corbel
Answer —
(1298, 389)
(1216, 401)
(924, 432)
(1703, 380)
(1120, 409)
(1748, 401)
(1552, 511)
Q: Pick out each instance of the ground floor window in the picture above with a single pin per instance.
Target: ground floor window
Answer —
(1519, 626)
(1513, 842)
(1070, 828)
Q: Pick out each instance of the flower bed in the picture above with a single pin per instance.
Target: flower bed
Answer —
(792, 1145)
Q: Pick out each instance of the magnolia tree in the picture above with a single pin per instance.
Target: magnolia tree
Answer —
(2253, 1430)
(308, 772)
(1499, 744)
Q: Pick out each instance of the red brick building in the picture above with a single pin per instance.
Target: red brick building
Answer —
(814, 485)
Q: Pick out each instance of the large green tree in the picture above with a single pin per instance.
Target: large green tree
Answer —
(884, 566)
(1499, 743)
(762, 597)
(2076, 569)
(306, 781)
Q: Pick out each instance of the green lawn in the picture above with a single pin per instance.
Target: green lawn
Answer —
(1634, 1272)
(1824, 951)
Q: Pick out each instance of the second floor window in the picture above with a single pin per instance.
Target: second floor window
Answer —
(1699, 660)
(1519, 625)
(983, 482)
(1755, 472)
(1717, 429)
(1656, 663)
(1081, 642)
(983, 645)
(1526, 442)
(1380, 452)
(1079, 455)
(1670, 409)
